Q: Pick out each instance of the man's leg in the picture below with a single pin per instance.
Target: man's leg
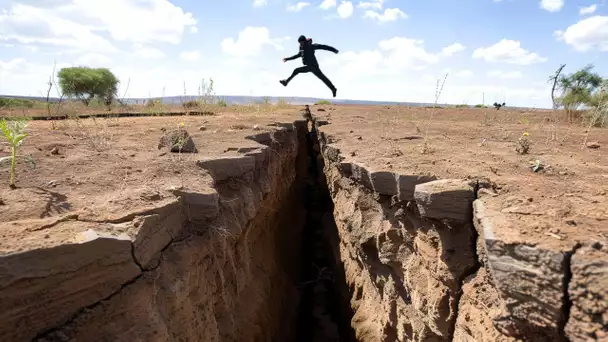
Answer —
(317, 72)
(296, 71)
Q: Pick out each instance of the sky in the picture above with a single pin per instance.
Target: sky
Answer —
(389, 50)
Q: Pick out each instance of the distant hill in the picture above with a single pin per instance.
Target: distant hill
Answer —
(241, 100)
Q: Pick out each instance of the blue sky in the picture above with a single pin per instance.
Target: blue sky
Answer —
(389, 50)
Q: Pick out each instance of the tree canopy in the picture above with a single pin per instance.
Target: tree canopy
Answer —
(88, 83)
(579, 88)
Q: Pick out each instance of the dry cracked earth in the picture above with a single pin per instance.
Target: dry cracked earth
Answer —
(368, 223)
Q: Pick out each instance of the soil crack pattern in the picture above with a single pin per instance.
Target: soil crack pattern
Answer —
(293, 232)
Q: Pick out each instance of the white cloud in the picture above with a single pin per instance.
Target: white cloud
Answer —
(452, 49)
(327, 4)
(13, 64)
(147, 52)
(588, 34)
(298, 7)
(190, 55)
(82, 25)
(94, 59)
(376, 4)
(193, 29)
(551, 5)
(588, 10)
(508, 51)
(260, 3)
(505, 74)
(32, 25)
(389, 14)
(250, 42)
(463, 73)
(391, 57)
(345, 9)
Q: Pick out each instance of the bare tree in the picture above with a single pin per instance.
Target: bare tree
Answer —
(555, 79)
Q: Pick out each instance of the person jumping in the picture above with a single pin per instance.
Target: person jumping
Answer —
(307, 52)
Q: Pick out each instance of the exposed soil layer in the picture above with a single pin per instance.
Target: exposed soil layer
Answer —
(390, 224)
(448, 233)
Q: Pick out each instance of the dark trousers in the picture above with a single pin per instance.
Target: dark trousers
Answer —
(316, 71)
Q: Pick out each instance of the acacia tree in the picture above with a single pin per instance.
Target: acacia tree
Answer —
(88, 83)
(578, 89)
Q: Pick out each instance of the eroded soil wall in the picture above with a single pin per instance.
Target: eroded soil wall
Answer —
(423, 264)
(226, 267)
(296, 244)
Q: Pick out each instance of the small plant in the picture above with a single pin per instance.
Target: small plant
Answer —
(14, 133)
(323, 102)
(222, 103)
(6, 102)
(462, 106)
(191, 104)
(523, 144)
(282, 103)
(427, 148)
(480, 106)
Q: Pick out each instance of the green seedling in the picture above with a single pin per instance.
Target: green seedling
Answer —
(14, 133)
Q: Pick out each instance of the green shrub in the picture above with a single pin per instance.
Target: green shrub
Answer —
(323, 102)
(222, 102)
(153, 103)
(15, 103)
(191, 104)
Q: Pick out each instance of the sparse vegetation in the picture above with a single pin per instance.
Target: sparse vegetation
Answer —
(282, 103)
(581, 88)
(14, 133)
(462, 106)
(480, 106)
(87, 84)
(523, 144)
(323, 102)
(8, 102)
(221, 103)
(426, 146)
(499, 105)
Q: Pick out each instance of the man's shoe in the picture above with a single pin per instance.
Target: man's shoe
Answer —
(334, 91)
(283, 82)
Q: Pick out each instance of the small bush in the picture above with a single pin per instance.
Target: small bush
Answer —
(282, 103)
(15, 103)
(480, 106)
(222, 103)
(462, 106)
(523, 144)
(153, 103)
(191, 104)
(323, 102)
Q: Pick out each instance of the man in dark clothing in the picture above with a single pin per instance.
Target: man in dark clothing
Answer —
(307, 52)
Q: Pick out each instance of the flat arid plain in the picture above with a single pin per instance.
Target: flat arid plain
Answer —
(333, 223)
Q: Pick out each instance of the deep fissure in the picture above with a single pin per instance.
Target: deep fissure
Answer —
(324, 313)
(321, 310)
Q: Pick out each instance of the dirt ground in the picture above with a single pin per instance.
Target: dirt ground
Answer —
(562, 203)
(106, 169)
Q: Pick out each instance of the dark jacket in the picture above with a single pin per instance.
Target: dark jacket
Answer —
(307, 52)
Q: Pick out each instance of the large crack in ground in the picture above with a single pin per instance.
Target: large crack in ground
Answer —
(324, 313)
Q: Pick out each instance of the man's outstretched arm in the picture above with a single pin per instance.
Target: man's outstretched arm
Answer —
(292, 57)
(324, 47)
